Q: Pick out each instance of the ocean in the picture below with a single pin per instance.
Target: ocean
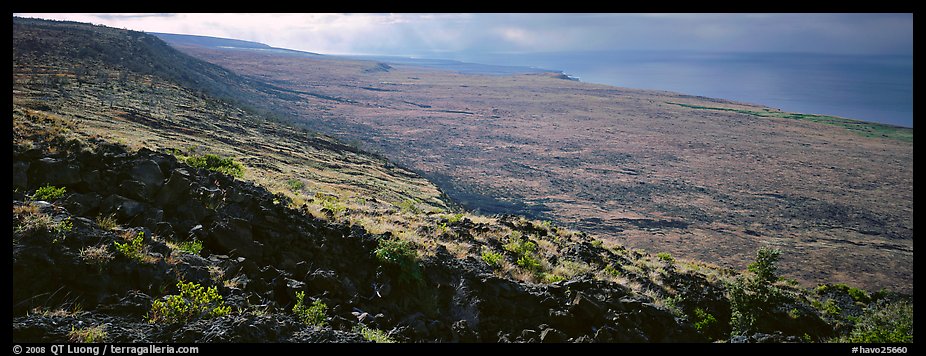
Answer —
(869, 88)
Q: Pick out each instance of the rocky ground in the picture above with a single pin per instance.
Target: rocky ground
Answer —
(259, 253)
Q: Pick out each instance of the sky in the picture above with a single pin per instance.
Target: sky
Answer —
(427, 35)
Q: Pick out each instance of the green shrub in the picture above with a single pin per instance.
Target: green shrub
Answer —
(193, 302)
(493, 259)
(374, 335)
(551, 278)
(48, 193)
(882, 322)
(859, 295)
(62, 228)
(401, 254)
(330, 202)
(704, 320)
(753, 294)
(409, 206)
(133, 248)
(831, 309)
(193, 246)
(525, 250)
(666, 257)
(610, 269)
(529, 262)
(765, 267)
(313, 314)
(295, 185)
(454, 218)
(216, 163)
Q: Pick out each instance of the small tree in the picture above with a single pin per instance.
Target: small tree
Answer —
(753, 294)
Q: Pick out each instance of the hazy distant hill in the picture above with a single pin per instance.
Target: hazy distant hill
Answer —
(206, 41)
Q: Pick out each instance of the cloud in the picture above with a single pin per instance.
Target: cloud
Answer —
(430, 33)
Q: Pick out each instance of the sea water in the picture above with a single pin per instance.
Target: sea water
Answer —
(863, 87)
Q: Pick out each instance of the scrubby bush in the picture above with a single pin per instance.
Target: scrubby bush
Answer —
(193, 246)
(883, 322)
(409, 206)
(107, 222)
(313, 314)
(193, 302)
(525, 251)
(400, 254)
(48, 193)
(493, 259)
(295, 185)
(704, 320)
(96, 255)
(666, 257)
(133, 248)
(216, 163)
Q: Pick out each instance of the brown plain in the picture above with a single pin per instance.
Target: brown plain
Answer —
(624, 164)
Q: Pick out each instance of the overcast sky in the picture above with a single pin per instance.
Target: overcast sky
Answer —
(427, 34)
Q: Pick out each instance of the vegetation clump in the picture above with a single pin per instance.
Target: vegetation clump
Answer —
(134, 248)
(374, 335)
(310, 314)
(88, 335)
(193, 302)
(883, 322)
(193, 246)
(525, 251)
(401, 254)
(493, 259)
(753, 294)
(216, 163)
(48, 193)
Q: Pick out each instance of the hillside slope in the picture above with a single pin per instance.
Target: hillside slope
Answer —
(122, 234)
(697, 177)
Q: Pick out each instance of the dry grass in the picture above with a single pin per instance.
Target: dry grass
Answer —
(96, 255)
(90, 334)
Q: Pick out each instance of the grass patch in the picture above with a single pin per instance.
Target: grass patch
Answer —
(374, 335)
(453, 218)
(96, 255)
(666, 257)
(215, 163)
(107, 222)
(861, 128)
(409, 206)
(295, 185)
(88, 335)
